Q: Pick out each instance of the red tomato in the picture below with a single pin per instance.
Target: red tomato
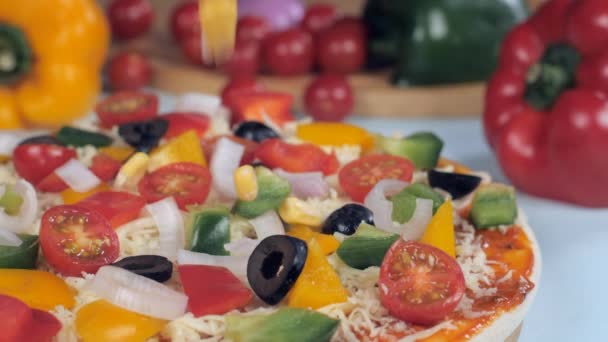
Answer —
(289, 53)
(329, 98)
(130, 18)
(192, 49)
(245, 59)
(250, 147)
(105, 167)
(19, 323)
(116, 206)
(343, 47)
(75, 239)
(181, 122)
(358, 177)
(264, 105)
(52, 183)
(419, 283)
(212, 290)
(237, 87)
(129, 71)
(276, 153)
(188, 183)
(126, 106)
(319, 17)
(34, 162)
(185, 21)
(252, 28)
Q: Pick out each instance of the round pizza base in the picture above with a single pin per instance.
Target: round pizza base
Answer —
(508, 323)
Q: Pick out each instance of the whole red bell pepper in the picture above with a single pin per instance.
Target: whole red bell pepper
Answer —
(546, 108)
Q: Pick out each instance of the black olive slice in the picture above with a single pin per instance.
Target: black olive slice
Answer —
(154, 267)
(345, 220)
(275, 265)
(256, 131)
(41, 139)
(143, 135)
(457, 184)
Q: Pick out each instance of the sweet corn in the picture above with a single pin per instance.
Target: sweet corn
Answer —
(294, 211)
(246, 183)
(132, 171)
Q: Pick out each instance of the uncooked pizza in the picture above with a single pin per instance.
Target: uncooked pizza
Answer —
(245, 224)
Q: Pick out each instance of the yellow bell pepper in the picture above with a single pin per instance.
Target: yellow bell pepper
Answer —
(440, 231)
(119, 153)
(51, 54)
(183, 148)
(328, 243)
(70, 196)
(38, 289)
(318, 285)
(101, 321)
(335, 134)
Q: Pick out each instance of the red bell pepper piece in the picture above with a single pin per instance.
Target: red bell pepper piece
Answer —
(546, 111)
(256, 106)
(275, 153)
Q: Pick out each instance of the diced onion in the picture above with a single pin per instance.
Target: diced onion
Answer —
(170, 225)
(305, 184)
(226, 159)
(75, 174)
(9, 140)
(242, 247)
(9, 239)
(415, 227)
(27, 211)
(381, 207)
(138, 294)
(267, 224)
(198, 103)
(236, 264)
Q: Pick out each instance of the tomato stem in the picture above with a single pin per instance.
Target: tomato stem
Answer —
(15, 54)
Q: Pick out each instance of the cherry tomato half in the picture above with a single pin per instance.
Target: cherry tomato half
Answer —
(343, 47)
(245, 59)
(130, 18)
(75, 239)
(276, 153)
(127, 106)
(329, 98)
(34, 162)
(289, 53)
(185, 21)
(116, 206)
(319, 17)
(129, 71)
(239, 86)
(252, 28)
(182, 122)
(419, 283)
(188, 183)
(358, 177)
(248, 155)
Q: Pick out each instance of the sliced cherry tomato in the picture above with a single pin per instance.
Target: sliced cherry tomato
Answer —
(289, 53)
(34, 162)
(419, 283)
(116, 206)
(75, 239)
(127, 106)
(237, 87)
(252, 28)
(185, 21)
(250, 147)
(358, 177)
(188, 183)
(245, 59)
(129, 71)
(212, 290)
(319, 17)
(343, 47)
(105, 167)
(276, 153)
(329, 98)
(180, 123)
(258, 106)
(130, 18)
(19, 323)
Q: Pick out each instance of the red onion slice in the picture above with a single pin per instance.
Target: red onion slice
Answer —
(305, 184)
(226, 159)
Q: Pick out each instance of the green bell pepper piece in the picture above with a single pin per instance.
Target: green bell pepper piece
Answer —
(24, 256)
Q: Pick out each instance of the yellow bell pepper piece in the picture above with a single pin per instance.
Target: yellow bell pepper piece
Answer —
(119, 153)
(335, 134)
(294, 211)
(218, 20)
(132, 171)
(440, 231)
(183, 148)
(101, 321)
(318, 284)
(38, 289)
(70, 196)
(54, 74)
(328, 243)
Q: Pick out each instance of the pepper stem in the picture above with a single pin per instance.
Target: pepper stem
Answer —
(551, 76)
(15, 54)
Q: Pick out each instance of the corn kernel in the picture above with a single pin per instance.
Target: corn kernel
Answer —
(246, 183)
(293, 211)
(132, 171)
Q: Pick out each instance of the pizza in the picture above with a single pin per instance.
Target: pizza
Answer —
(136, 224)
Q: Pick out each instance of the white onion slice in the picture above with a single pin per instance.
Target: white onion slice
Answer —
(170, 225)
(381, 207)
(305, 184)
(226, 159)
(75, 174)
(236, 264)
(242, 247)
(204, 104)
(9, 140)
(415, 227)
(9, 239)
(27, 212)
(138, 294)
(267, 224)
